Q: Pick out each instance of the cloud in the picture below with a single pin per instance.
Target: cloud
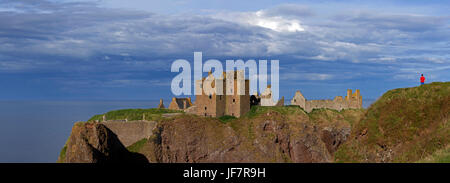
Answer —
(289, 10)
(306, 76)
(273, 19)
(276, 23)
(402, 22)
(83, 31)
(80, 41)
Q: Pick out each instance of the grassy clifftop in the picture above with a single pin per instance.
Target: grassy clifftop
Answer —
(134, 114)
(404, 125)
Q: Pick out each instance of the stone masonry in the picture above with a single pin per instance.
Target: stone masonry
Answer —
(351, 101)
(217, 102)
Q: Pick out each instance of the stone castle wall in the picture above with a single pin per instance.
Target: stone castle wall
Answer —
(132, 131)
(351, 101)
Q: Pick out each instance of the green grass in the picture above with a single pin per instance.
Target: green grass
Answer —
(134, 114)
(62, 154)
(258, 110)
(445, 158)
(137, 146)
(226, 118)
(413, 120)
(441, 156)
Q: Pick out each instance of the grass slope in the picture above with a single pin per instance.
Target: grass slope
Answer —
(137, 146)
(404, 125)
(134, 114)
(441, 156)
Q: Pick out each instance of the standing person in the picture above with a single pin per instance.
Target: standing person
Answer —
(422, 80)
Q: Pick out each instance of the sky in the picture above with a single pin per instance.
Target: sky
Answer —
(123, 50)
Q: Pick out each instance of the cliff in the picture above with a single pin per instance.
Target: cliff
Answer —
(268, 134)
(265, 134)
(404, 125)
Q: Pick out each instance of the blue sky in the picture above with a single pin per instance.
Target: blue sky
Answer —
(123, 50)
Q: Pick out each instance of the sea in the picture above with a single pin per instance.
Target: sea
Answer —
(36, 131)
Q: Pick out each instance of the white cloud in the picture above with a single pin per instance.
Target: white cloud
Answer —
(383, 59)
(261, 18)
(276, 23)
(306, 76)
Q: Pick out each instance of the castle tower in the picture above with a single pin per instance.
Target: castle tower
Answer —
(238, 103)
(210, 100)
(358, 98)
(233, 100)
(161, 104)
(349, 95)
(356, 94)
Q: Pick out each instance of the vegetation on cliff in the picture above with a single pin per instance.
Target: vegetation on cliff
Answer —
(265, 134)
(152, 114)
(404, 125)
(136, 147)
(440, 156)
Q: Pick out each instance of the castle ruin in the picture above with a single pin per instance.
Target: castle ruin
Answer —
(218, 102)
(351, 101)
(161, 104)
(215, 101)
(267, 100)
(180, 103)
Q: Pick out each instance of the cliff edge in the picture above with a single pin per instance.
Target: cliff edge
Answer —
(404, 125)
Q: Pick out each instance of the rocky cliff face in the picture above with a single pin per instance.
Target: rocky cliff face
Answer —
(95, 143)
(271, 137)
(267, 134)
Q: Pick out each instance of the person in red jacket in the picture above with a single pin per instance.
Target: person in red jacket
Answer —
(422, 80)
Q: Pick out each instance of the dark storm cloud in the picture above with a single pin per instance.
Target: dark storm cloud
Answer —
(79, 42)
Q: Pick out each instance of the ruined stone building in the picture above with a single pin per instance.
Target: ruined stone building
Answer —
(161, 104)
(351, 101)
(216, 102)
(267, 100)
(180, 103)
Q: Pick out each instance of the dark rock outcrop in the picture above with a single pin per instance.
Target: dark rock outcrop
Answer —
(95, 143)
